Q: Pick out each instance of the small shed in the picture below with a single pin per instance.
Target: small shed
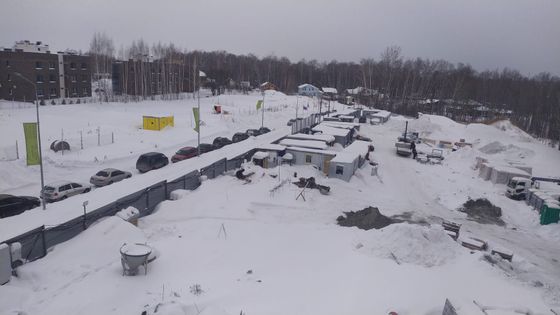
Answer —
(329, 93)
(157, 123)
(275, 153)
(264, 159)
(305, 156)
(345, 163)
(343, 125)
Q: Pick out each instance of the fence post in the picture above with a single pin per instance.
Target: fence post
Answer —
(184, 182)
(112, 137)
(98, 136)
(17, 151)
(147, 191)
(81, 140)
(165, 188)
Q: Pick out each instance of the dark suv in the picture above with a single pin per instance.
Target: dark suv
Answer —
(184, 154)
(151, 161)
(238, 137)
(253, 132)
(206, 147)
(221, 142)
(12, 205)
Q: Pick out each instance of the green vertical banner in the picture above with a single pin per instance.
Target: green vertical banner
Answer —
(259, 104)
(31, 143)
(196, 119)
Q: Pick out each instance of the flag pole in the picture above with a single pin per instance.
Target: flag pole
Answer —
(262, 120)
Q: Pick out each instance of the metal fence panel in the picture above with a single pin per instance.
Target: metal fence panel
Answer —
(191, 181)
(63, 232)
(215, 169)
(32, 244)
(136, 200)
(155, 194)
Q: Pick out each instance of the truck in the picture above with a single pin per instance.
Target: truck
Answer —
(518, 187)
(403, 148)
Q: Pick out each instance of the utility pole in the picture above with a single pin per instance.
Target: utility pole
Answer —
(38, 136)
(197, 77)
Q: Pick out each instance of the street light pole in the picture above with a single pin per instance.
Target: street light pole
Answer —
(38, 137)
(262, 119)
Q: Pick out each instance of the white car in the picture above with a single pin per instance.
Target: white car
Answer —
(63, 189)
(108, 176)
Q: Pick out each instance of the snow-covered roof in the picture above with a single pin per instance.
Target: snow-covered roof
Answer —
(352, 152)
(329, 90)
(317, 137)
(341, 124)
(340, 132)
(346, 111)
(355, 91)
(307, 84)
(382, 114)
(272, 147)
(312, 144)
(259, 155)
(308, 150)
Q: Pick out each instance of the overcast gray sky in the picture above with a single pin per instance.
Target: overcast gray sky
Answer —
(487, 34)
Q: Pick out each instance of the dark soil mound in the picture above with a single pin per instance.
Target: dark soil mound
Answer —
(482, 211)
(366, 219)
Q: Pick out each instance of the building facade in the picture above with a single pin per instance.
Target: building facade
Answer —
(61, 75)
(308, 90)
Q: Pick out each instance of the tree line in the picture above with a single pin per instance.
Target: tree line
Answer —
(402, 82)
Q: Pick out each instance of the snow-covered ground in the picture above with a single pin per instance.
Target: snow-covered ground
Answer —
(254, 249)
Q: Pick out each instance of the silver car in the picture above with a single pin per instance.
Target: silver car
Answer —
(63, 189)
(108, 176)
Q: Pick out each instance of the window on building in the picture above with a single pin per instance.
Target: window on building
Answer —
(40, 79)
(84, 66)
(52, 65)
(52, 78)
(40, 92)
(53, 91)
(85, 92)
(7, 63)
(84, 78)
(38, 65)
(10, 91)
(9, 77)
(74, 91)
(339, 170)
(308, 158)
(73, 78)
(73, 65)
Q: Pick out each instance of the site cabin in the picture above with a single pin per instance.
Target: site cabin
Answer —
(346, 162)
(341, 136)
(343, 125)
(329, 93)
(157, 123)
(318, 158)
(327, 139)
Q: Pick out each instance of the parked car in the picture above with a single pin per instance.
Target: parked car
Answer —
(151, 161)
(291, 122)
(363, 138)
(13, 205)
(206, 147)
(63, 189)
(221, 142)
(184, 154)
(239, 136)
(252, 132)
(263, 130)
(108, 176)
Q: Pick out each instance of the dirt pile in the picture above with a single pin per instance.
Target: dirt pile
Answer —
(365, 219)
(483, 211)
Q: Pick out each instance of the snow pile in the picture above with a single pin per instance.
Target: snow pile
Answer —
(512, 150)
(413, 244)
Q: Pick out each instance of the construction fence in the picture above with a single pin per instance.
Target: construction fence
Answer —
(35, 243)
(301, 124)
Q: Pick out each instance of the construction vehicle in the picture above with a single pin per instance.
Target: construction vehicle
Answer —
(518, 187)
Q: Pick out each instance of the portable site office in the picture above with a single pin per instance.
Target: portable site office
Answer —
(268, 155)
(328, 139)
(305, 156)
(341, 136)
(345, 163)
